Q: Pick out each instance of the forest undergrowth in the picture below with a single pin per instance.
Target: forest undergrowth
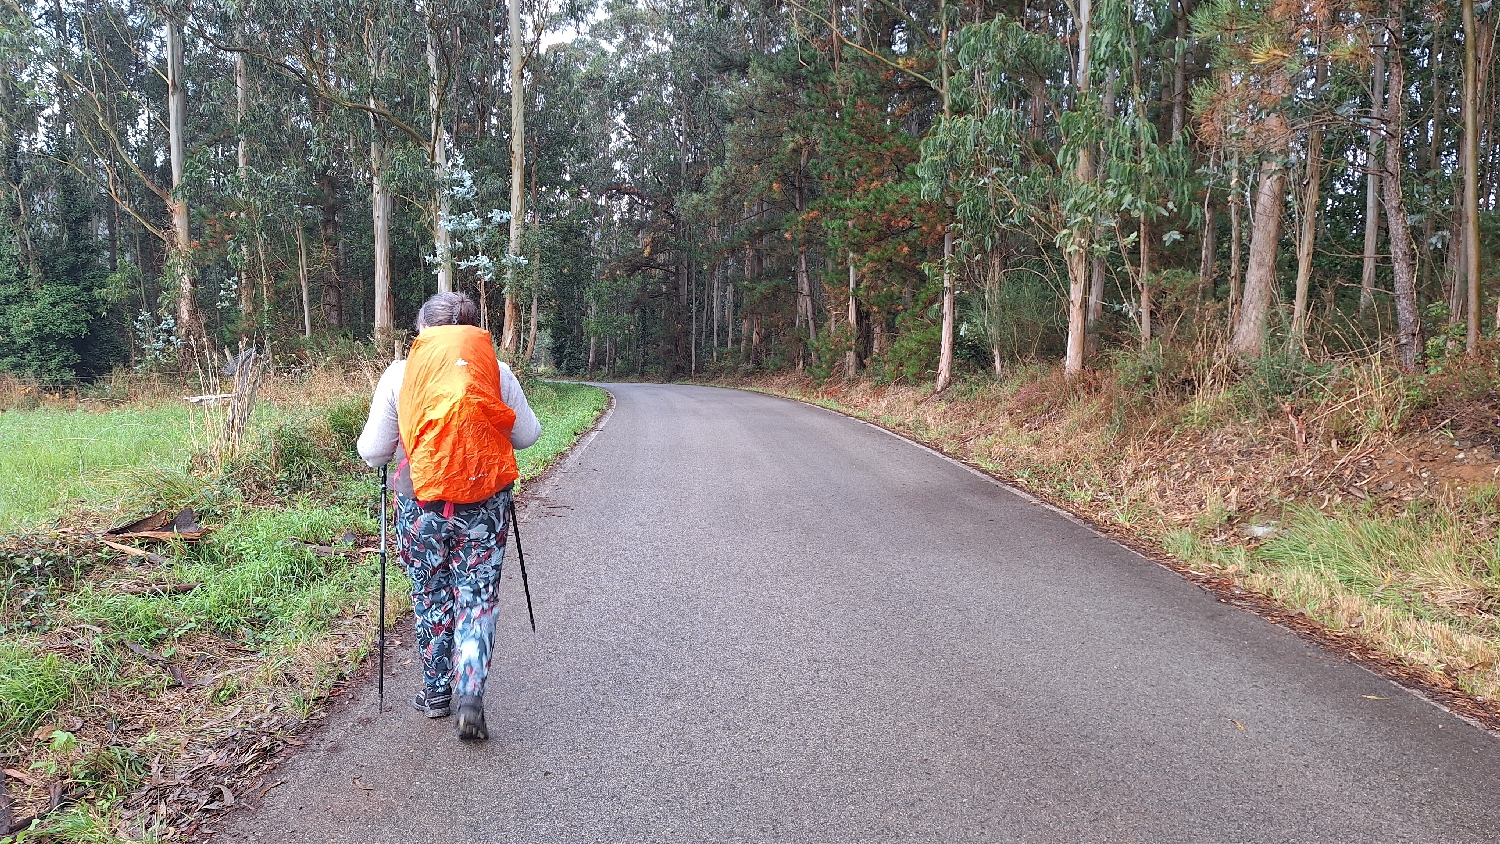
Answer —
(1355, 504)
(143, 691)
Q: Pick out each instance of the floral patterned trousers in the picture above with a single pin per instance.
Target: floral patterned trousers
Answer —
(452, 554)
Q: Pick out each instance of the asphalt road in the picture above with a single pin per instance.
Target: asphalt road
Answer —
(763, 622)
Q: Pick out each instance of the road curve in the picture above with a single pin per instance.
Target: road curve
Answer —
(764, 622)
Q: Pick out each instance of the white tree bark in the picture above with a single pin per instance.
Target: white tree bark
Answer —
(241, 110)
(950, 302)
(179, 260)
(381, 206)
(1372, 181)
(1312, 179)
(1403, 267)
(509, 334)
(945, 349)
(380, 209)
(441, 206)
(1078, 250)
(302, 282)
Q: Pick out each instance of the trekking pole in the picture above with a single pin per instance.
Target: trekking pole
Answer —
(380, 683)
(521, 555)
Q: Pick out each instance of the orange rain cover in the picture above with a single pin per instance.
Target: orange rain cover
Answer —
(454, 425)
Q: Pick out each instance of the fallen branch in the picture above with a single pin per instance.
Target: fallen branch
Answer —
(166, 535)
(163, 526)
(150, 656)
(134, 551)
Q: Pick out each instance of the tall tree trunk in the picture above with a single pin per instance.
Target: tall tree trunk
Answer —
(593, 312)
(805, 312)
(265, 284)
(508, 334)
(992, 281)
(1311, 182)
(441, 204)
(1260, 275)
(1454, 291)
(945, 347)
(302, 281)
(1145, 283)
(729, 312)
(1095, 318)
(1471, 178)
(950, 301)
(328, 231)
(1208, 256)
(1372, 181)
(1236, 241)
(1434, 159)
(1408, 324)
(380, 209)
(1078, 250)
(531, 330)
(851, 359)
(692, 283)
(179, 259)
(1179, 70)
(1097, 265)
(241, 111)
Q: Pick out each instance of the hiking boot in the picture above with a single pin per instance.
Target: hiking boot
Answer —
(432, 704)
(470, 720)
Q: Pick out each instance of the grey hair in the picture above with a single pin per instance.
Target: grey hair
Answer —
(447, 309)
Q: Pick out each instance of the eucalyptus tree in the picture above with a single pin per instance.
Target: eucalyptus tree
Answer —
(1013, 191)
(119, 73)
(1245, 109)
(1408, 323)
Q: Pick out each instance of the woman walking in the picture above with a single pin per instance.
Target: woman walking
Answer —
(451, 416)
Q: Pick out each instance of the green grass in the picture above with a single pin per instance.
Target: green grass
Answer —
(566, 411)
(49, 457)
(306, 618)
(32, 685)
(1427, 563)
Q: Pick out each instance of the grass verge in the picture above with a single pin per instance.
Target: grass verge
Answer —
(139, 694)
(53, 456)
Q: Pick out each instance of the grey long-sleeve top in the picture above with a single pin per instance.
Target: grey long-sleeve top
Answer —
(380, 441)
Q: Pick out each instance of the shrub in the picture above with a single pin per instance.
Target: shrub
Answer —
(345, 421)
(1282, 376)
(292, 456)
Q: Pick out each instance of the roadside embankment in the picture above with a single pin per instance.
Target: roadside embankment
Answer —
(1353, 504)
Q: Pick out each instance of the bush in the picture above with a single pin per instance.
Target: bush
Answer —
(295, 455)
(345, 421)
(1282, 376)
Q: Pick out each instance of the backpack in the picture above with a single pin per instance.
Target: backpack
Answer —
(454, 425)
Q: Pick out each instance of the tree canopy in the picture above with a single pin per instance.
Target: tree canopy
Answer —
(714, 185)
